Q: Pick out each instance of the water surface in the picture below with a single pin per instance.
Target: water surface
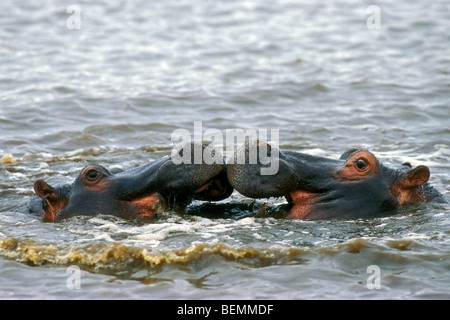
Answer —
(113, 91)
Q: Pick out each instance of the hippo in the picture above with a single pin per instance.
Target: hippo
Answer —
(136, 193)
(354, 186)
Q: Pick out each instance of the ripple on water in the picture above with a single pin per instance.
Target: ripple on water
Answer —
(112, 93)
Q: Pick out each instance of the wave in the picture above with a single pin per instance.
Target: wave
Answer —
(118, 258)
(124, 260)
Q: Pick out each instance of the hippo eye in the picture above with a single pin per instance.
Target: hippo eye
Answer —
(92, 175)
(361, 164)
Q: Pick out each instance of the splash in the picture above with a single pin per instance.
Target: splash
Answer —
(8, 158)
(115, 257)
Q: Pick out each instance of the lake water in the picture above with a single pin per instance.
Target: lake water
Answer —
(111, 84)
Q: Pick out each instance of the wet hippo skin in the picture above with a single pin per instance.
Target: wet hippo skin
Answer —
(139, 192)
(356, 185)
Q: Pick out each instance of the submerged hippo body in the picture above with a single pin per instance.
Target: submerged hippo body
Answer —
(139, 192)
(355, 186)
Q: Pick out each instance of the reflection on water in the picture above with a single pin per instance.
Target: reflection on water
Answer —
(113, 91)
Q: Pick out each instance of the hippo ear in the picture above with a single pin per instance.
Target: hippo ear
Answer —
(45, 191)
(408, 190)
(54, 201)
(416, 177)
(42, 189)
(348, 153)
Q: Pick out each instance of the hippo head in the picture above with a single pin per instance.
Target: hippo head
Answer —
(355, 186)
(139, 192)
